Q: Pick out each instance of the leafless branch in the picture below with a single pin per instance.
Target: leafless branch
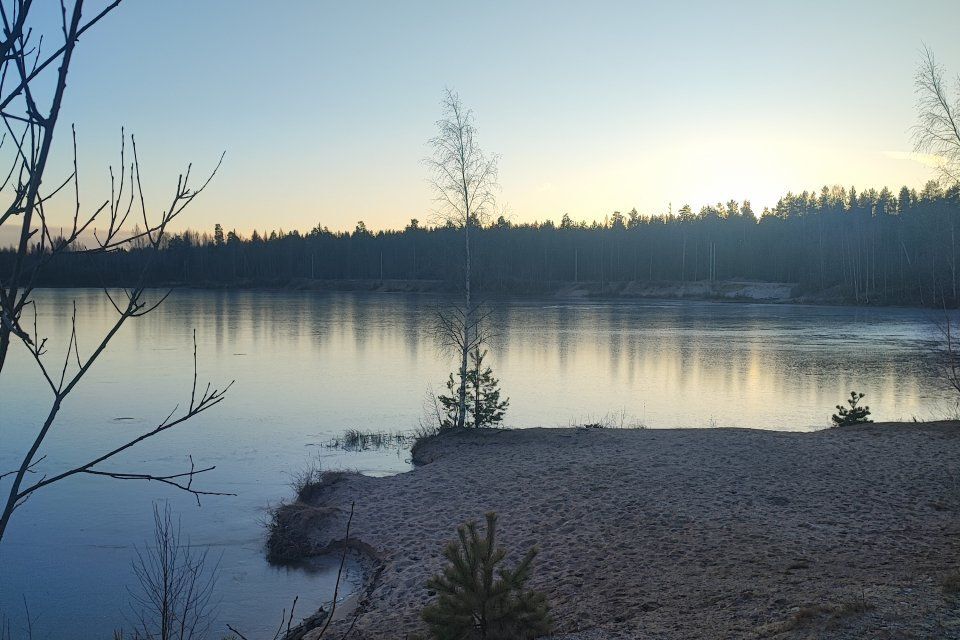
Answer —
(938, 122)
(343, 560)
(30, 128)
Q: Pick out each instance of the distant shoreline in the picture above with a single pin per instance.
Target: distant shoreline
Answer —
(682, 533)
(702, 290)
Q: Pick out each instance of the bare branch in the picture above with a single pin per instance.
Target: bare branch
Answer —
(207, 401)
(938, 121)
(343, 560)
(174, 480)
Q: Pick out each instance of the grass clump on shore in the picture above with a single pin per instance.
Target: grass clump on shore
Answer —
(289, 528)
(824, 616)
(421, 436)
(304, 480)
(290, 524)
(611, 420)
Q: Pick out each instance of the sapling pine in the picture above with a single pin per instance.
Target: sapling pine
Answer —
(854, 415)
(478, 599)
(484, 406)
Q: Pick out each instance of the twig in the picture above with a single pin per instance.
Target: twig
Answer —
(343, 560)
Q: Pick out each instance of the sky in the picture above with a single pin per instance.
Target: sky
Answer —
(324, 109)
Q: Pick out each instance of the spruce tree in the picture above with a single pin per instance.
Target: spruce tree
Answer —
(854, 415)
(479, 600)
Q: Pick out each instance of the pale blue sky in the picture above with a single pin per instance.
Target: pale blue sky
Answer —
(324, 108)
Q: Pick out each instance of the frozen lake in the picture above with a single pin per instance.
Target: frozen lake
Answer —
(310, 365)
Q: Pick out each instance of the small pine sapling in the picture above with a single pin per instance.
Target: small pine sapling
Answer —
(484, 406)
(479, 600)
(449, 405)
(487, 408)
(854, 415)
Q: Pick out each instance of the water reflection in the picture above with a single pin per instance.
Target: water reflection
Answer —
(310, 365)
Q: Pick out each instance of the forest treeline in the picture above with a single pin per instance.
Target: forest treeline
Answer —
(871, 247)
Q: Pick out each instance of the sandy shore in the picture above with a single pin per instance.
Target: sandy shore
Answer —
(719, 533)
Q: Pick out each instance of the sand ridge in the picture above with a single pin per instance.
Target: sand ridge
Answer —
(683, 533)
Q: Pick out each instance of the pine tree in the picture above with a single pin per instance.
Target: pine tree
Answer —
(854, 415)
(484, 405)
(487, 408)
(477, 599)
(449, 404)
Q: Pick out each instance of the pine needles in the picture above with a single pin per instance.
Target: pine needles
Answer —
(854, 415)
(477, 599)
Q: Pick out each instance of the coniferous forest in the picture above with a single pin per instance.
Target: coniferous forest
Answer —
(869, 247)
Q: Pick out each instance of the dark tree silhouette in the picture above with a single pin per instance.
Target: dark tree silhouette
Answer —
(865, 247)
(886, 247)
(855, 414)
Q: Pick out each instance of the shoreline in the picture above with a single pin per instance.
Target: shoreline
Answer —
(684, 533)
(729, 291)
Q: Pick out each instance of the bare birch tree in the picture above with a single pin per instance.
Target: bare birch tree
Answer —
(33, 82)
(938, 132)
(464, 180)
(938, 121)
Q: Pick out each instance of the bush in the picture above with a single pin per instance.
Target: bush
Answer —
(854, 415)
(473, 604)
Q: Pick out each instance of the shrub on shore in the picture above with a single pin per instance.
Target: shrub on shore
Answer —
(854, 415)
(477, 599)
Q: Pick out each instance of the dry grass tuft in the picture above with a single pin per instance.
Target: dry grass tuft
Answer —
(289, 529)
(822, 616)
(291, 523)
(950, 583)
